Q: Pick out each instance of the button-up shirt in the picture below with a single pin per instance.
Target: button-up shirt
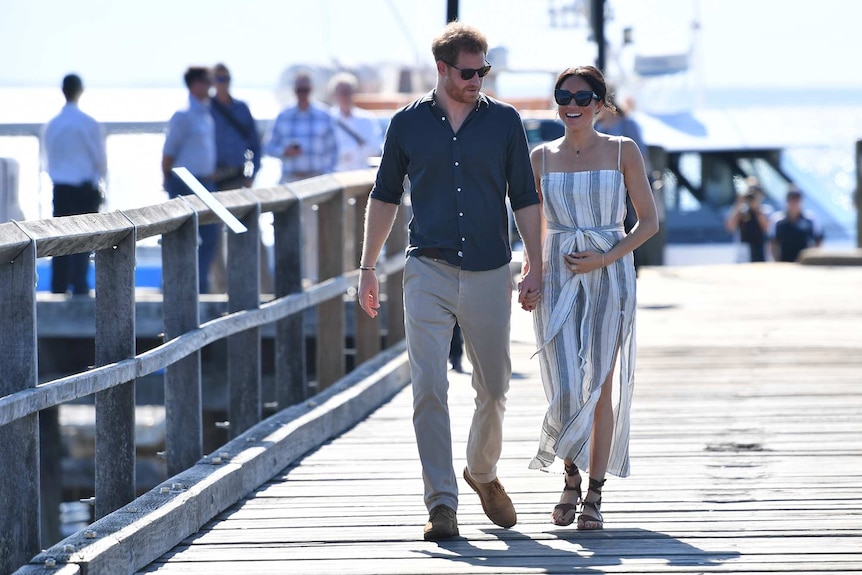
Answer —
(75, 148)
(458, 181)
(314, 131)
(190, 140)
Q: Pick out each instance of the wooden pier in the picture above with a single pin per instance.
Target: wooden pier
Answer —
(746, 454)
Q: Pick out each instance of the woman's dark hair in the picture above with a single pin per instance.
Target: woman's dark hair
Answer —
(458, 37)
(591, 76)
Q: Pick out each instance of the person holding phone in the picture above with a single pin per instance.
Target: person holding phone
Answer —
(303, 136)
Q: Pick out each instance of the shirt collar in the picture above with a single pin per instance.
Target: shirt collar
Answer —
(431, 97)
(195, 104)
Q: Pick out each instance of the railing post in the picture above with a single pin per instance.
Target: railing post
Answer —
(19, 440)
(291, 385)
(367, 337)
(396, 244)
(330, 314)
(857, 194)
(243, 349)
(183, 412)
(115, 407)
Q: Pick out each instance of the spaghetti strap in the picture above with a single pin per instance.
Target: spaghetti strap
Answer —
(620, 154)
(543, 159)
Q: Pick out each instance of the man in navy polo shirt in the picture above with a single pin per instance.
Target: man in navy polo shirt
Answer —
(793, 230)
(463, 153)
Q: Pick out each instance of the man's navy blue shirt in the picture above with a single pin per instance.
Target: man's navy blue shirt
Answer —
(458, 181)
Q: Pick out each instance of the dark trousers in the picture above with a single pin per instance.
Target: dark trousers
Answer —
(756, 251)
(207, 234)
(456, 346)
(70, 272)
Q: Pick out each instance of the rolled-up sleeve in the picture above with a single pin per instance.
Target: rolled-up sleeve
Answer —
(519, 172)
(389, 184)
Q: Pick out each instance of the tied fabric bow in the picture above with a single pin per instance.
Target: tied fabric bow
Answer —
(576, 241)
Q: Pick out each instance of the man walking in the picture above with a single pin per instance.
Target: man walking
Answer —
(463, 152)
(75, 154)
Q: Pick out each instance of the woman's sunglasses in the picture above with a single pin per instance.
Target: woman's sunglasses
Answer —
(467, 73)
(581, 98)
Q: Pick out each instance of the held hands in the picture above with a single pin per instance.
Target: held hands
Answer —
(529, 290)
(368, 292)
(584, 262)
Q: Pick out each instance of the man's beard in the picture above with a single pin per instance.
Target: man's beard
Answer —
(463, 96)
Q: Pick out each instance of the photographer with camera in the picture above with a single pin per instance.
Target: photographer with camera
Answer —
(749, 220)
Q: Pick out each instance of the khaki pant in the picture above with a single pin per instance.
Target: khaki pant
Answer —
(437, 294)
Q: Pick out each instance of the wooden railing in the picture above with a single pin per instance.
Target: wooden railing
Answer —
(341, 201)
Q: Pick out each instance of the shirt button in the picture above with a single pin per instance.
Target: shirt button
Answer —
(459, 189)
(461, 214)
(443, 118)
(463, 239)
(456, 163)
(454, 138)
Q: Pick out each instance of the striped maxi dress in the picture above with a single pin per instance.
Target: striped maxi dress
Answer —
(582, 319)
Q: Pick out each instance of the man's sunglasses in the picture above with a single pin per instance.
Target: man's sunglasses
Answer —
(581, 98)
(467, 73)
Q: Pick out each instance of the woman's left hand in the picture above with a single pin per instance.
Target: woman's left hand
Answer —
(584, 262)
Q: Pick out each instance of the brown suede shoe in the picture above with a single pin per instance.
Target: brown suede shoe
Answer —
(495, 502)
(442, 524)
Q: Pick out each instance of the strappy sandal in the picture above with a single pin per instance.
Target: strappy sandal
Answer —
(591, 518)
(564, 513)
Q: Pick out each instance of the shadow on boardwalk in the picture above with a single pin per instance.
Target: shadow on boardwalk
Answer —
(568, 551)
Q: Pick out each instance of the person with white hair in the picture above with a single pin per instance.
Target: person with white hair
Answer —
(357, 131)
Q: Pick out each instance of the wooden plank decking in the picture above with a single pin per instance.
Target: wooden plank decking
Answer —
(746, 454)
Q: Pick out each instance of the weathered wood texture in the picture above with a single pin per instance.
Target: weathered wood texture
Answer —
(19, 441)
(245, 407)
(115, 407)
(746, 454)
(137, 534)
(113, 236)
(183, 416)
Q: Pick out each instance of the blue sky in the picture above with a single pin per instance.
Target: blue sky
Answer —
(742, 43)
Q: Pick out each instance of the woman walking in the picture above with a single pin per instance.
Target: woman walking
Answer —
(585, 318)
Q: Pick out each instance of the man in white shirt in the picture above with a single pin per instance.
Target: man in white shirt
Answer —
(74, 145)
(357, 131)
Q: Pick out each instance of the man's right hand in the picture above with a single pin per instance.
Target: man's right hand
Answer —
(368, 292)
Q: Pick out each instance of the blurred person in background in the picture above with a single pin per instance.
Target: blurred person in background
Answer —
(614, 120)
(748, 220)
(793, 229)
(357, 131)
(237, 162)
(77, 164)
(303, 136)
(191, 143)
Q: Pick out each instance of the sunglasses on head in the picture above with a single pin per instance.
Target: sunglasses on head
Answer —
(581, 98)
(467, 73)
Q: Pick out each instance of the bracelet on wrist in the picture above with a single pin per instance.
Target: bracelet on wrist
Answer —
(367, 268)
